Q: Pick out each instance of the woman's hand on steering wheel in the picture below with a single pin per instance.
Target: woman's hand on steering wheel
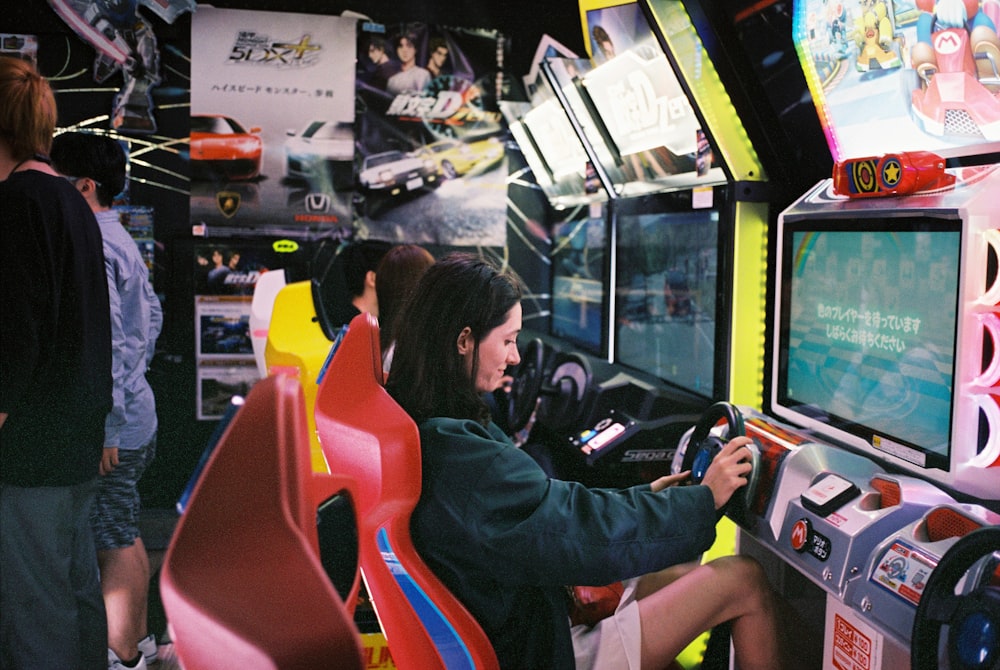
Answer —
(729, 470)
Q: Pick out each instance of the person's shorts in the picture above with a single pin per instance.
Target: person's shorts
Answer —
(115, 515)
(614, 642)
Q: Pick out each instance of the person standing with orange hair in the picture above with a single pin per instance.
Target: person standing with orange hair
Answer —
(55, 392)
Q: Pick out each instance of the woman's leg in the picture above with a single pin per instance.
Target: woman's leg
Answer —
(678, 604)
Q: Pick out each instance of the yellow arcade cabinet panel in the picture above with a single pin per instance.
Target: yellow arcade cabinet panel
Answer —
(296, 343)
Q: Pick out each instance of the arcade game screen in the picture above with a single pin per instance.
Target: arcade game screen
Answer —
(867, 327)
(667, 294)
(579, 297)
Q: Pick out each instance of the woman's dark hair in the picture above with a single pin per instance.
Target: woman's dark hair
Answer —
(396, 277)
(428, 376)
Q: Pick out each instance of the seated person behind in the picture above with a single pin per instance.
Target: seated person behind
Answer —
(395, 278)
(508, 540)
(349, 288)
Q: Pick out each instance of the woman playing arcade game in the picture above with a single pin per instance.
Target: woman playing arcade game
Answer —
(507, 540)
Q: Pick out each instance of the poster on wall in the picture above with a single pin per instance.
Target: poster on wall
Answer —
(222, 327)
(272, 120)
(431, 163)
(639, 98)
(125, 45)
(225, 274)
(218, 382)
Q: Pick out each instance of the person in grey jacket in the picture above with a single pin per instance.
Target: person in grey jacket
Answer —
(95, 164)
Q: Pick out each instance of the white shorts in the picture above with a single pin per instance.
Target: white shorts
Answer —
(614, 643)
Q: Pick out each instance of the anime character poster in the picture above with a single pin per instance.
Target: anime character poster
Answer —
(272, 112)
(231, 266)
(641, 101)
(431, 139)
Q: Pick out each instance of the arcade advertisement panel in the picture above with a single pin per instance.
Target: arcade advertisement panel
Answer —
(272, 112)
(430, 137)
(138, 221)
(125, 44)
(640, 100)
(903, 76)
(226, 272)
(554, 151)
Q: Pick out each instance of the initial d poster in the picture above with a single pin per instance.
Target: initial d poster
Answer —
(431, 140)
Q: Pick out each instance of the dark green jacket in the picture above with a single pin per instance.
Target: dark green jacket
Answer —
(507, 539)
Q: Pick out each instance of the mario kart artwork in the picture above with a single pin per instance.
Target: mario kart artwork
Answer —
(875, 38)
(957, 59)
(125, 42)
(917, 75)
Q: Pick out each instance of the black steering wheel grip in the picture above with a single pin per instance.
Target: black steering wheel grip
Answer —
(703, 446)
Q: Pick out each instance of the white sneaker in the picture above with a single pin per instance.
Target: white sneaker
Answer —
(148, 648)
(115, 663)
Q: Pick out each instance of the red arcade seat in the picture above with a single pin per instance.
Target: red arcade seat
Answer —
(369, 439)
(242, 583)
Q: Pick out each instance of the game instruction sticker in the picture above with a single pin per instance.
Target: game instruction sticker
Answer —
(903, 571)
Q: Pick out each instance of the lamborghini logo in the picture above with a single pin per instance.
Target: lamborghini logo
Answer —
(228, 203)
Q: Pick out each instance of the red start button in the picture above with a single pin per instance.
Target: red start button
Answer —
(800, 535)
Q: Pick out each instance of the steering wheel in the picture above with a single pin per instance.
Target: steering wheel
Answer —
(703, 446)
(563, 393)
(526, 386)
(973, 619)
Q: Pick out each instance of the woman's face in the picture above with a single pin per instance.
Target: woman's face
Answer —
(497, 351)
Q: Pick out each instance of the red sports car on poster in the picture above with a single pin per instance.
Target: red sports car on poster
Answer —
(221, 147)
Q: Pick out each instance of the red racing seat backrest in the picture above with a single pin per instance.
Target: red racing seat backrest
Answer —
(242, 583)
(369, 439)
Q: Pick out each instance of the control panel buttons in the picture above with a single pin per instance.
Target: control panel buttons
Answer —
(805, 539)
(800, 535)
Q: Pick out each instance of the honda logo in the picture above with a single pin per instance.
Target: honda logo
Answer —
(318, 202)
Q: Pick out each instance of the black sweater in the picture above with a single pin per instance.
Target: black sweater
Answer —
(55, 333)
